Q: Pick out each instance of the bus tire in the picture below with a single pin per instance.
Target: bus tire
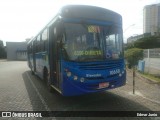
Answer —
(32, 72)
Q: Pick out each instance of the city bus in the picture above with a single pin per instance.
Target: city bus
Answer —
(79, 51)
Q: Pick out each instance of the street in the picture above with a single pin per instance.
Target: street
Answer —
(22, 91)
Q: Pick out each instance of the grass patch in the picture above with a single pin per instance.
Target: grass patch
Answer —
(150, 76)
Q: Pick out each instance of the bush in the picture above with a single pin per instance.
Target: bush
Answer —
(133, 55)
(148, 42)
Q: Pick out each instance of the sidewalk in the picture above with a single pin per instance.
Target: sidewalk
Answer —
(147, 92)
(147, 88)
(142, 77)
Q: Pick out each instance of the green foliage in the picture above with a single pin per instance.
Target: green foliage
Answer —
(129, 46)
(133, 55)
(2, 50)
(151, 76)
(148, 42)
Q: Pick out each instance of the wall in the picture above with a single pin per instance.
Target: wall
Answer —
(152, 61)
(152, 65)
(13, 48)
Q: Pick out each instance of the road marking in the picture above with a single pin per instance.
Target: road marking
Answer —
(39, 95)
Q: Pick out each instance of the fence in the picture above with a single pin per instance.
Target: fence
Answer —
(152, 61)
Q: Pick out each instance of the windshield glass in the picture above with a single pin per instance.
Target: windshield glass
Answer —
(92, 42)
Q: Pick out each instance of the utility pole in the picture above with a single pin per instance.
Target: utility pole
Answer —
(133, 79)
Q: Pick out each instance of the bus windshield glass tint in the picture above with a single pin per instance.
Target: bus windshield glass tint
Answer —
(86, 42)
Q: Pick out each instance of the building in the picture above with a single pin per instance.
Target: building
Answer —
(151, 19)
(16, 50)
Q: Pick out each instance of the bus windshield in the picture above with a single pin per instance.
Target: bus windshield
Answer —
(86, 42)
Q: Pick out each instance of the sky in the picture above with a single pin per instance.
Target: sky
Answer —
(22, 19)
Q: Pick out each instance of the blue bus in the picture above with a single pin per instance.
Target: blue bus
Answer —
(79, 51)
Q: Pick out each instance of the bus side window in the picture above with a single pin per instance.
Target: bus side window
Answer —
(41, 44)
(38, 43)
(44, 40)
(35, 45)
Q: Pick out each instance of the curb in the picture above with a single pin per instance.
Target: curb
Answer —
(144, 78)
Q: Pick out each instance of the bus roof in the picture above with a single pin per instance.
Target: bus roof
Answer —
(90, 12)
(85, 12)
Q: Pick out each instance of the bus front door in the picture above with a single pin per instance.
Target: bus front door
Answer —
(54, 60)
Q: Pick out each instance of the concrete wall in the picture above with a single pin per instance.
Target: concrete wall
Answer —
(21, 55)
(152, 60)
(13, 47)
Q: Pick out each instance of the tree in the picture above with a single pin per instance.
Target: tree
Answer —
(129, 46)
(148, 42)
(2, 50)
(132, 56)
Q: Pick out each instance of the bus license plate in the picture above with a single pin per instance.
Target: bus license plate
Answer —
(103, 85)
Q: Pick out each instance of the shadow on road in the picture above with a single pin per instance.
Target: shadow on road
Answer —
(104, 101)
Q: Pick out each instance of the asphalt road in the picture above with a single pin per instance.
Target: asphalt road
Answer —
(21, 91)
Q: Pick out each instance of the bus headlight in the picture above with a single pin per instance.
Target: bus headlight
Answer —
(120, 75)
(68, 74)
(82, 79)
(75, 78)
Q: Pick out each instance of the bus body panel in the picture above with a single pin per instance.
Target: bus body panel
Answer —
(71, 89)
(114, 76)
(77, 77)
